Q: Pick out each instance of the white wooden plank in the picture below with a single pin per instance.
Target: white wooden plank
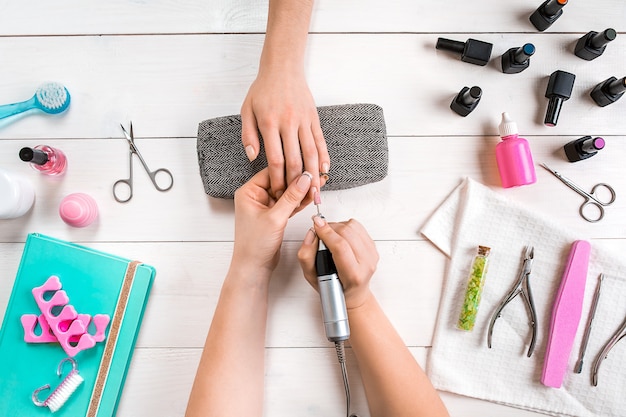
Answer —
(422, 172)
(169, 64)
(168, 84)
(408, 285)
(65, 17)
(303, 382)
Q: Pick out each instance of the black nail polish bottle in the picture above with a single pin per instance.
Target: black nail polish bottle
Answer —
(593, 44)
(466, 101)
(559, 90)
(473, 51)
(583, 148)
(608, 91)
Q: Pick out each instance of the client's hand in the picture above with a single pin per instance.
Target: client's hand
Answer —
(279, 104)
(260, 220)
(354, 253)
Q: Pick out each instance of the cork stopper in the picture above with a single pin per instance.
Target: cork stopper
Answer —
(484, 250)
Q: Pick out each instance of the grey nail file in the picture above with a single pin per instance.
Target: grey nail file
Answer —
(355, 135)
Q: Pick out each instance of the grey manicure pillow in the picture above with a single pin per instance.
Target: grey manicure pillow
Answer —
(355, 135)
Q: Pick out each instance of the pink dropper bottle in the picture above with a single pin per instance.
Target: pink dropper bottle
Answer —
(515, 162)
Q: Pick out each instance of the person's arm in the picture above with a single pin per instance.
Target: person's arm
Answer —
(279, 103)
(395, 384)
(229, 379)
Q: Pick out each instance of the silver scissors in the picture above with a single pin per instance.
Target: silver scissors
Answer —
(590, 198)
(522, 287)
(128, 183)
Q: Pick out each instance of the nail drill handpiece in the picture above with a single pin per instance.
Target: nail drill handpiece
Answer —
(334, 310)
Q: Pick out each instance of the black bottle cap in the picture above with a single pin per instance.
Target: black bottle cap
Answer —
(608, 91)
(559, 90)
(34, 156)
(473, 51)
(547, 14)
(593, 44)
(466, 101)
(516, 60)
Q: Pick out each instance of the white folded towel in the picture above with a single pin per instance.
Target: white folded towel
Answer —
(461, 362)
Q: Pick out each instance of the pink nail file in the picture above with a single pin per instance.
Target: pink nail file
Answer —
(566, 313)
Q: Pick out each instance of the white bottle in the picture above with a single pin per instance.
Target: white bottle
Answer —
(17, 195)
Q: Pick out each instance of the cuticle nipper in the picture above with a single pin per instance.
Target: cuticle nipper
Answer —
(521, 286)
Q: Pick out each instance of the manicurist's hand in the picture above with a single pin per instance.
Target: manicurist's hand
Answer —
(354, 253)
(260, 220)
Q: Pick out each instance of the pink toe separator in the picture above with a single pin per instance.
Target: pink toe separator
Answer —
(68, 328)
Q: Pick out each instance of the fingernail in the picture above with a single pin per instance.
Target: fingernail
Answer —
(310, 237)
(304, 182)
(319, 221)
(325, 167)
(250, 152)
(278, 194)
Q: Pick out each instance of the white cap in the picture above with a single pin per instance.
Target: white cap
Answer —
(507, 127)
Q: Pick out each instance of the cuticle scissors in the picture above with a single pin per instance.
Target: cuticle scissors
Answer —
(590, 198)
(521, 286)
(129, 181)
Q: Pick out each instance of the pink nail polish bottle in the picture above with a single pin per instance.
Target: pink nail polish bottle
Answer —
(46, 159)
(515, 162)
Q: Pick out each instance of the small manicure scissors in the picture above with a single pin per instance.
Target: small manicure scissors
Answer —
(590, 198)
(522, 287)
(128, 183)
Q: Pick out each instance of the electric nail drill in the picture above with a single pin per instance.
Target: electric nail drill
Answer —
(334, 310)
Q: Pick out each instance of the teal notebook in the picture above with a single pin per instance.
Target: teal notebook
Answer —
(96, 283)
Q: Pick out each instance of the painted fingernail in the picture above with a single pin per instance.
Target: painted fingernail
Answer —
(250, 153)
(310, 237)
(325, 167)
(304, 182)
(319, 221)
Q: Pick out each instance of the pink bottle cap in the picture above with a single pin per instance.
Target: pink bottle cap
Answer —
(78, 210)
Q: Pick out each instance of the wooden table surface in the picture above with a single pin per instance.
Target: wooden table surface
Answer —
(167, 65)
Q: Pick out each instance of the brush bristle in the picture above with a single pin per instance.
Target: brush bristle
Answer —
(53, 97)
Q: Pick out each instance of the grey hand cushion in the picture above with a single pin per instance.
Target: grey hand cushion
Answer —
(355, 135)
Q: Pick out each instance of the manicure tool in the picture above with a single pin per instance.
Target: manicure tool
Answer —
(331, 291)
(619, 335)
(590, 198)
(594, 305)
(128, 183)
(334, 310)
(521, 286)
(566, 313)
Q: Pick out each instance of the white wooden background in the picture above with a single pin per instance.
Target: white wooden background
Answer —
(166, 65)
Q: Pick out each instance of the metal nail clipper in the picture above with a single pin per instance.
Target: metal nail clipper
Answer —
(522, 287)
